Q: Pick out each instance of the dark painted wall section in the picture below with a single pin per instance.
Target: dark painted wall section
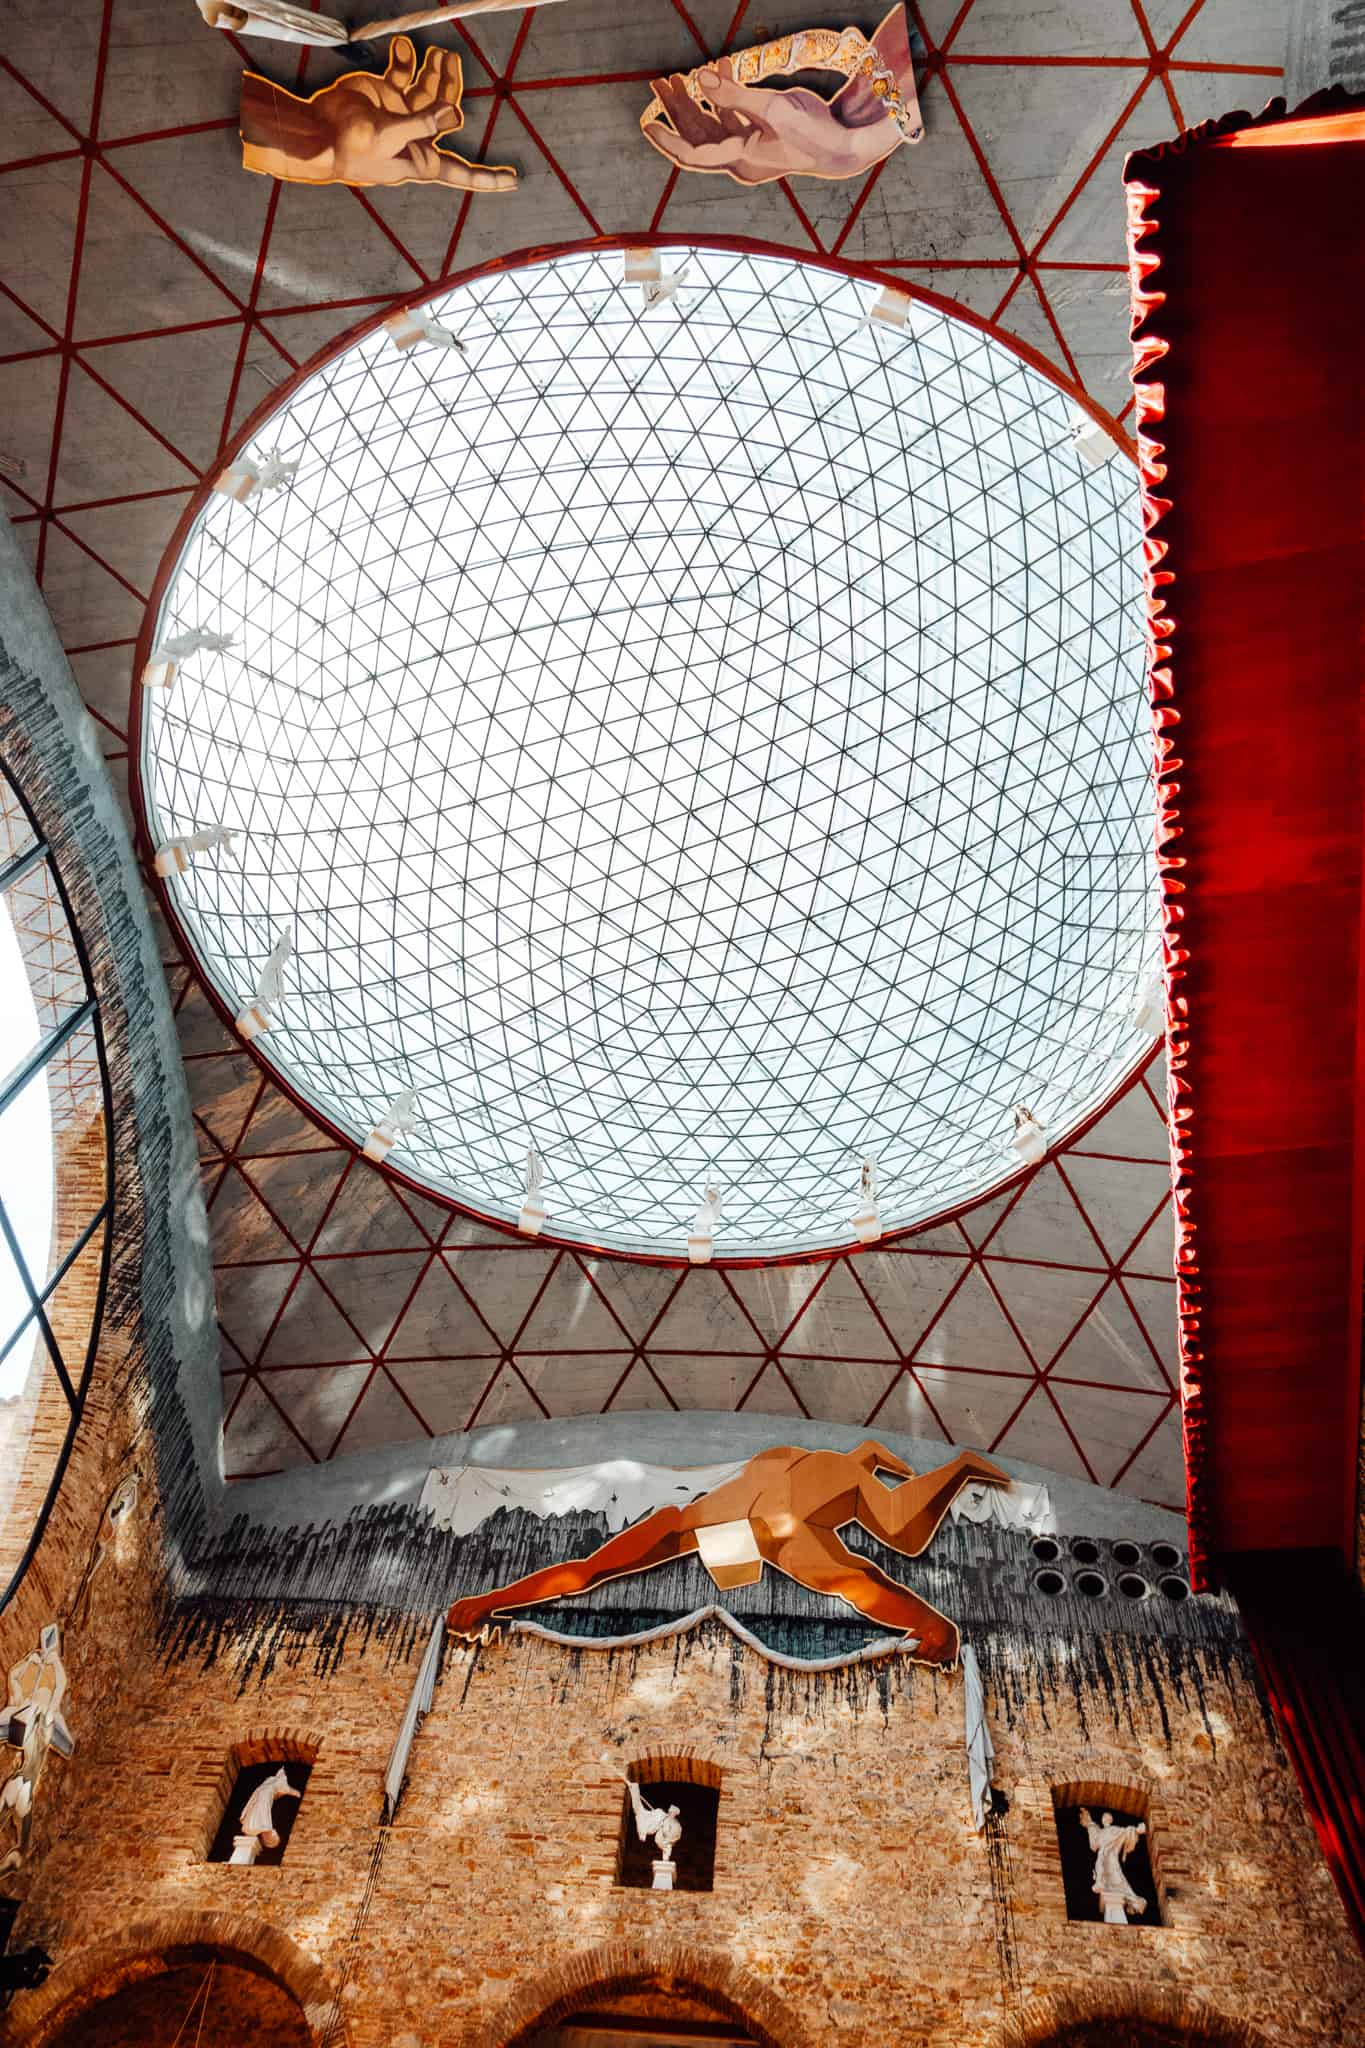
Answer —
(161, 1294)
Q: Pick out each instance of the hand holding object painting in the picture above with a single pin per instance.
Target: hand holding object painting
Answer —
(722, 118)
(367, 128)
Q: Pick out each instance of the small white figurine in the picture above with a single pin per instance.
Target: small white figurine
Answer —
(703, 1237)
(532, 1218)
(175, 856)
(397, 1121)
(270, 472)
(1030, 1139)
(258, 1818)
(867, 1225)
(277, 19)
(160, 669)
(665, 1829)
(256, 1017)
(407, 329)
(1111, 1845)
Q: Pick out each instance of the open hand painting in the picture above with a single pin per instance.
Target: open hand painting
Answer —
(722, 117)
(784, 1508)
(367, 128)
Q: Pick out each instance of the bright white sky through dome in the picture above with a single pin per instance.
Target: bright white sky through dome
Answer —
(26, 1159)
(710, 742)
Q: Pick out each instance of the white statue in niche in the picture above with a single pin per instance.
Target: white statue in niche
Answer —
(1111, 1845)
(258, 1818)
(665, 1829)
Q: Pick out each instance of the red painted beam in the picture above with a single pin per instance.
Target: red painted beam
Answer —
(1249, 278)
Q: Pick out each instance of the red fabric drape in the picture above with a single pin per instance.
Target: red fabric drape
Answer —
(1249, 283)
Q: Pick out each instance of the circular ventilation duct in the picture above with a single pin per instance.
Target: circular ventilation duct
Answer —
(706, 740)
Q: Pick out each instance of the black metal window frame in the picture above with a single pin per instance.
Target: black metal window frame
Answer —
(72, 1377)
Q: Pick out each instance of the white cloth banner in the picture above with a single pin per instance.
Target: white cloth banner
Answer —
(980, 1748)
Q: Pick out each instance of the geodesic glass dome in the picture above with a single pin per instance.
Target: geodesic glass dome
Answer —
(707, 741)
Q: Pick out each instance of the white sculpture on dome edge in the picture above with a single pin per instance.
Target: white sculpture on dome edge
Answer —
(406, 330)
(247, 476)
(256, 1017)
(258, 1818)
(701, 1242)
(398, 1121)
(1111, 1845)
(867, 1223)
(645, 268)
(531, 1221)
(162, 665)
(1148, 1011)
(175, 857)
(1030, 1139)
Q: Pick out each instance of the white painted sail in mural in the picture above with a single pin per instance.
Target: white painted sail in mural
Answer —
(623, 1489)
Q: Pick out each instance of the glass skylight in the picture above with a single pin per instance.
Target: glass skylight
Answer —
(708, 742)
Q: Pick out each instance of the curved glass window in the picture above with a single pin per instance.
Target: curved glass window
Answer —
(55, 1182)
(704, 739)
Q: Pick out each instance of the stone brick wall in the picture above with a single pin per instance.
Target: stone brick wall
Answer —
(853, 1901)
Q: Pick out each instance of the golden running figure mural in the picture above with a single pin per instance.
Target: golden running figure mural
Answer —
(367, 128)
(723, 117)
(785, 1509)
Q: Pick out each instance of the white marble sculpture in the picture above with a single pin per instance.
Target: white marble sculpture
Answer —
(248, 475)
(255, 1017)
(1029, 1139)
(276, 19)
(701, 1243)
(34, 1724)
(531, 1221)
(177, 855)
(665, 1829)
(163, 664)
(258, 1829)
(397, 1121)
(1111, 1845)
(867, 1224)
(406, 330)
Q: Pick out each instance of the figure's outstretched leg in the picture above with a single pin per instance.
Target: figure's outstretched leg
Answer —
(655, 1540)
(819, 1560)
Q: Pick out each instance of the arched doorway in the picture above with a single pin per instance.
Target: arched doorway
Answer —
(194, 1995)
(1138, 2033)
(645, 2017)
(645, 1995)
